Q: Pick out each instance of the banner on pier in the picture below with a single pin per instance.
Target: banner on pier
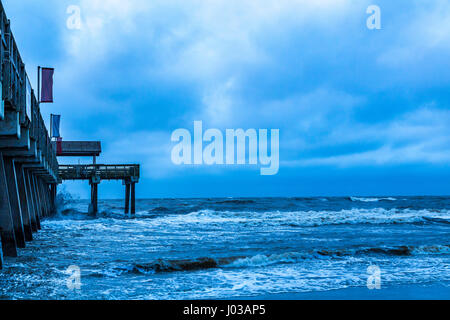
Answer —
(47, 85)
(55, 125)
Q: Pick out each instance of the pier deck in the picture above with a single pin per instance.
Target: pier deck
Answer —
(95, 173)
(100, 171)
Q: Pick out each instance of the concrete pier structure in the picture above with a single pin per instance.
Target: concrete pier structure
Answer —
(127, 197)
(95, 173)
(23, 202)
(28, 163)
(8, 237)
(133, 198)
(13, 192)
(29, 168)
(130, 194)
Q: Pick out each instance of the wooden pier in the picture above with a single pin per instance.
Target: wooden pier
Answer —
(28, 163)
(95, 173)
(29, 168)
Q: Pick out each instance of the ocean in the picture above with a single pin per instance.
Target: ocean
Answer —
(237, 248)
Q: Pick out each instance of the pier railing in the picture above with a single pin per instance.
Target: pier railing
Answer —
(28, 163)
(100, 171)
(21, 124)
(29, 170)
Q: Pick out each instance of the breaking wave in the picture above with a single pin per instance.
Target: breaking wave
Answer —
(169, 266)
(236, 202)
(197, 248)
(294, 257)
(376, 216)
(355, 199)
(160, 210)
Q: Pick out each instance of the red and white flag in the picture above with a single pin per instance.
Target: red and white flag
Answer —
(47, 85)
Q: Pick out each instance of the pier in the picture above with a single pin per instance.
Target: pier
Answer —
(94, 173)
(28, 163)
(29, 167)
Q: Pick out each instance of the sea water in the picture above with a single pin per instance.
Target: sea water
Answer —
(231, 248)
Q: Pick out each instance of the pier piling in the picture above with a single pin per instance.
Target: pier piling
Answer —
(133, 198)
(34, 203)
(94, 199)
(28, 163)
(31, 208)
(95, 173)
(44, 198)
(13, 193)
(29, 168)
(37, 197)
(127, 197)
(53, 194)
(9, 245)
(23, 201)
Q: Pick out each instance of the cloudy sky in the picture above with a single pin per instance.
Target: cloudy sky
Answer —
(360, 112)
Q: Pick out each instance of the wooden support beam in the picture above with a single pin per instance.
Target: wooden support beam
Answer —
(43, 197)
(35, 223)
(127, 197)
(133, 198)
(122, 172)
(96, 198)
(38, 199)
(48, 195)
(35, 200)
(93, 209)
(14, 202)
(23, 201)
(44, 187)
(52, 198)
(9, 245)
(53, 194)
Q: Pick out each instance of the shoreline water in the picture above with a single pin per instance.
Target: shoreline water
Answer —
(403, 292)
(243, 249)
